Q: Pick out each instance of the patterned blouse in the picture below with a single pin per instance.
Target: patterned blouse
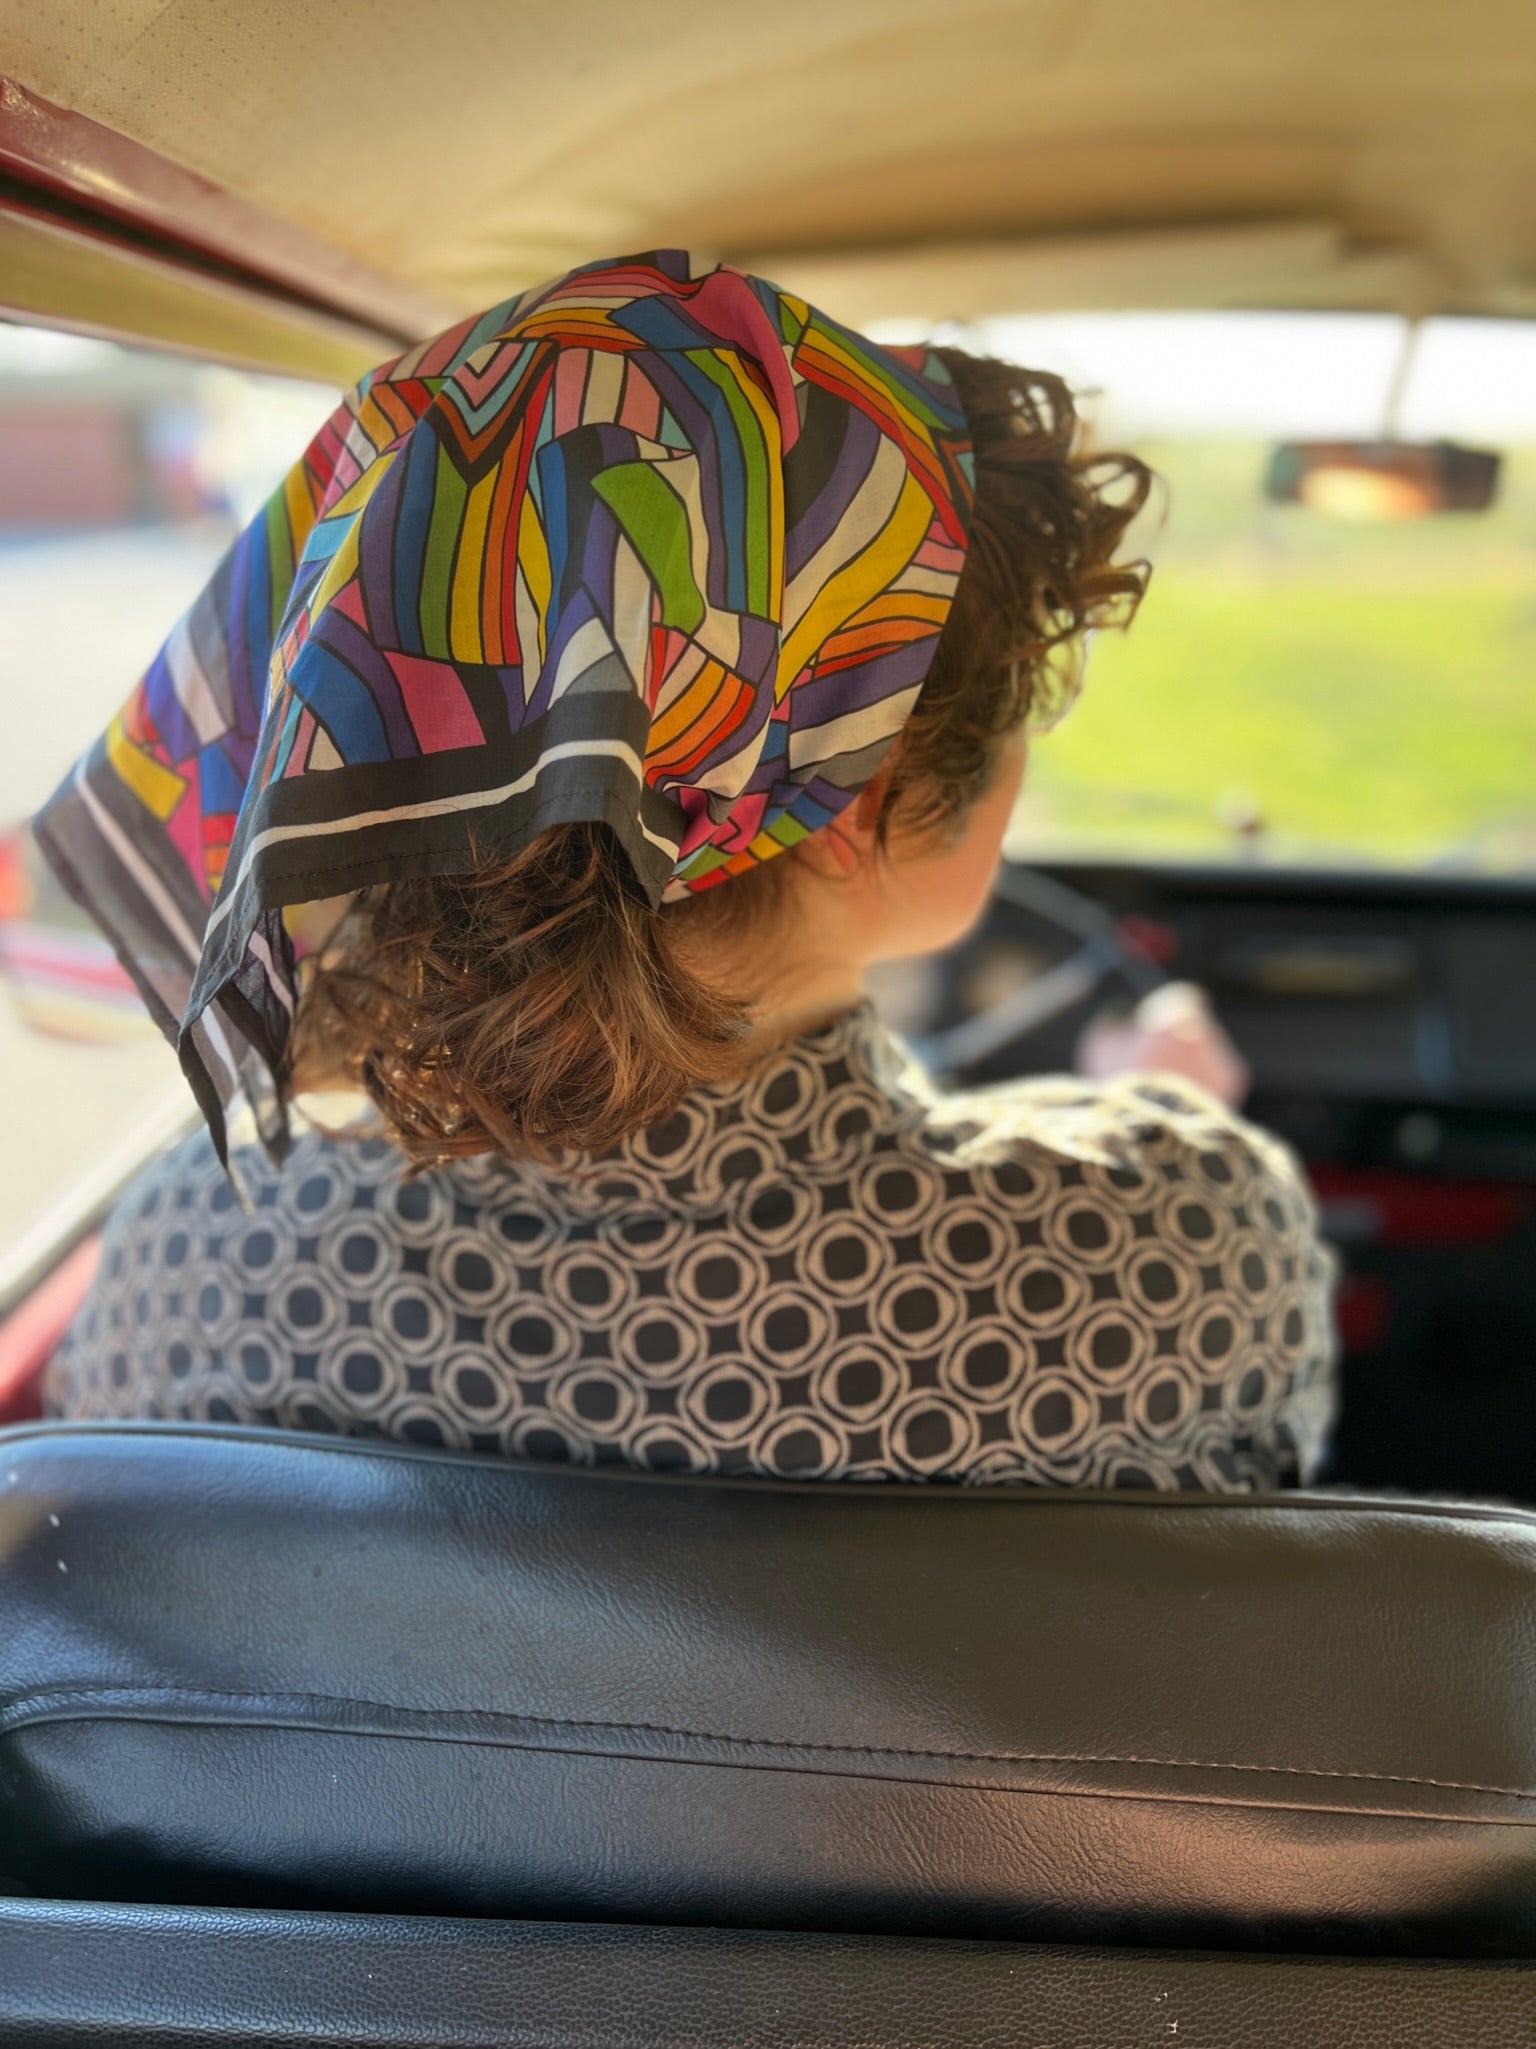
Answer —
(824, 1269)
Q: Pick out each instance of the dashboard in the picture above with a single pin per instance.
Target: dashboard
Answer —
(1390, 1025)
(1387, 1019)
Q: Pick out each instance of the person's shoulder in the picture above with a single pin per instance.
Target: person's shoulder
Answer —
(1139, 1135)
(186, 1173)
(189, 1176)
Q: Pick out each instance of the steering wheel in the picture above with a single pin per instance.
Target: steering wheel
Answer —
(1101, 945)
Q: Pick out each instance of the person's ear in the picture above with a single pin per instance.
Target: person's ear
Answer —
(836, 852)
(847, 844)
(870, 802)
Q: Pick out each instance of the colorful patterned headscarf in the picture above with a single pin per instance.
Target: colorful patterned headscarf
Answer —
(661, 549)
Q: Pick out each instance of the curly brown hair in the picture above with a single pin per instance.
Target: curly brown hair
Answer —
(538, 1005)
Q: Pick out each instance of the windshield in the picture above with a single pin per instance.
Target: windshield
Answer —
(1296, 689)
(1300, 689)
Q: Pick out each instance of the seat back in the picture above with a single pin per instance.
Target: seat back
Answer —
(243, 1668)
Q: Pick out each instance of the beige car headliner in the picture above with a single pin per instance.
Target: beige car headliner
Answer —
(890, 158)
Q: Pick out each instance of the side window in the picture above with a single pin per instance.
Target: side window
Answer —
(124, 475)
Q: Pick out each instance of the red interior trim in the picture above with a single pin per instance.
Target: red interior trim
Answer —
(142, 253)
(30, 1335)
(1391, 1207)
(75, 162)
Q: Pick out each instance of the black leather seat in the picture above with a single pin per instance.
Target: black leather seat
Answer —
(274, 1673)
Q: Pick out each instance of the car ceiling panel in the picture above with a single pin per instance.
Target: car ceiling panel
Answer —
(479, 146)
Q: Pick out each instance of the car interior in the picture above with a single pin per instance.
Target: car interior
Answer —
(318, 1740)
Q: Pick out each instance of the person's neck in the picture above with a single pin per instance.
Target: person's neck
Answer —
(823, 981)
(810, 1012)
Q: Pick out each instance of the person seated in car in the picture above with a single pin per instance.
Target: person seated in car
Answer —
(626, 671)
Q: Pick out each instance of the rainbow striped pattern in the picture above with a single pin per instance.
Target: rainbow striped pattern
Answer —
(663, 548)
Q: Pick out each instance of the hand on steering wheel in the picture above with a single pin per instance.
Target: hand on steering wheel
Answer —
(1172, 1031)
(1172, 1028)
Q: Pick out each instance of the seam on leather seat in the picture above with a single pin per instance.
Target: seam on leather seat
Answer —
(61, 1705)
(56, 1431)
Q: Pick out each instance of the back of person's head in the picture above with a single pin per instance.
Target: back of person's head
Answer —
(633, 663)
(540, 1003)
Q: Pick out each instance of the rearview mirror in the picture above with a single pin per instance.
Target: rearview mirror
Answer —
(1382, 479)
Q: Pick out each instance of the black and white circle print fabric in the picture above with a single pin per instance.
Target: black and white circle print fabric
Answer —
(822, 1271)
